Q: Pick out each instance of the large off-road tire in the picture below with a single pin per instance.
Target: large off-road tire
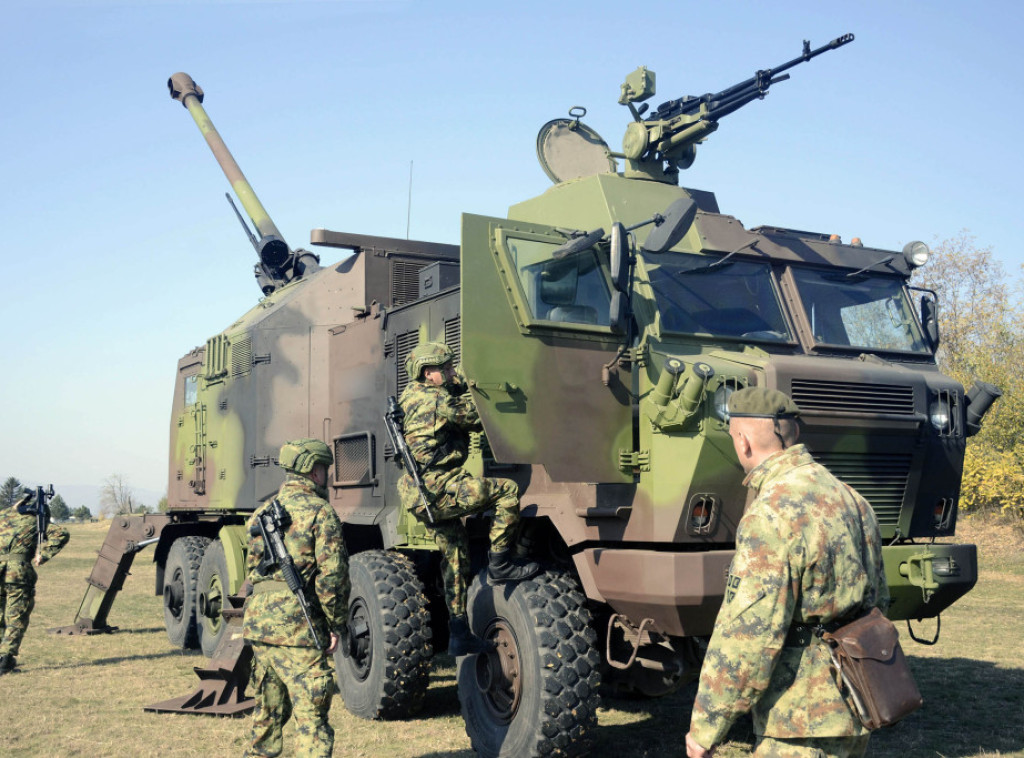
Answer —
(212, 588)
(386, 672)
(537, 694)
(180, 575)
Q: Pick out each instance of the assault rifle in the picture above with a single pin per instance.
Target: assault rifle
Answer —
(393, 419)
(269, 524)
(41, 510)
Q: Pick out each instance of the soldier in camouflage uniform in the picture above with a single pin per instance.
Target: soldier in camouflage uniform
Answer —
(290, 675)
(20, 553)
(808, 553)
(439, 414)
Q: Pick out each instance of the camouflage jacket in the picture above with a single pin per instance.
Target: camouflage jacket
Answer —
(314, 541)
(808, 551)
(18, 545)
(436, 427)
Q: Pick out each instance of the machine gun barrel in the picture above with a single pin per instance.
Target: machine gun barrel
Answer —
(732, 98)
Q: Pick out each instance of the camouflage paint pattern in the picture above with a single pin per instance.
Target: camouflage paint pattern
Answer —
(555, 372)
(437, 423)
(18, 545)
(808, 551)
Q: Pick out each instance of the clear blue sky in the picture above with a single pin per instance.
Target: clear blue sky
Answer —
(121, 254)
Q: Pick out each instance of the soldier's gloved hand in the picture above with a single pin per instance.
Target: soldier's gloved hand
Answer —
(333, 644)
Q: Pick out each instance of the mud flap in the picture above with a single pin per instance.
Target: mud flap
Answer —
(222, 683)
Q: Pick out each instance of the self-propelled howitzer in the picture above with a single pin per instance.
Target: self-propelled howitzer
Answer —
(601, 367)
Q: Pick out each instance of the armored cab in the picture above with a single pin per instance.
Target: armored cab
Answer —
(602, 327)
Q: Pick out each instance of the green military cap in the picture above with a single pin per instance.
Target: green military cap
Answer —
(761, 402)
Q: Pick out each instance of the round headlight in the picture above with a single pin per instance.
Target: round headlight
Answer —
(938, 413)
(916, 254)
(720, 406)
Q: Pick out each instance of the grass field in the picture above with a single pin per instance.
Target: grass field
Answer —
(83, 696)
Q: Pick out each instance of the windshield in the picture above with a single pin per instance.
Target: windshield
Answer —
(870, 312)
(737, 299)
(573, 289)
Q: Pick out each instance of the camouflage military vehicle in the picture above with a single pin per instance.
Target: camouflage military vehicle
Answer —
(602, 327)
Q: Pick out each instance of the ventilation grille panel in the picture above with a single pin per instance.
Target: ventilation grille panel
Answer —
(353, 460)
(852, 397)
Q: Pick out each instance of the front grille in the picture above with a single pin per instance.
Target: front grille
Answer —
(880, 477)
(852, 397)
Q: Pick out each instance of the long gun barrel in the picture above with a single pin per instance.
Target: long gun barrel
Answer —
(665, 142)
(274, 253)
(268, 525)
(393, 418)
(735, 97)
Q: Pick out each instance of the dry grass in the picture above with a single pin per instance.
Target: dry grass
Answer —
(83, 696)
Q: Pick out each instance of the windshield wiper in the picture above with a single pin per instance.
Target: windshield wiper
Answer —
(854, 274)
(721, 262)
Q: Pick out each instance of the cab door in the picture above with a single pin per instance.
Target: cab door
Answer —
(535, 341)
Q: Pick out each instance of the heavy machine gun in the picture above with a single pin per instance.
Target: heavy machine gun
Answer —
(666, 141)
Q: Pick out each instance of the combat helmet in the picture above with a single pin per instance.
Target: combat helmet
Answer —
(301, 455)
(427, 354)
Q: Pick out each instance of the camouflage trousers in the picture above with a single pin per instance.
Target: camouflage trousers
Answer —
(289, 681)
(465, 495)
(812, 747)
(16, 604)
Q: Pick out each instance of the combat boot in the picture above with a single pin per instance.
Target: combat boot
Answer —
(7, 663)
(501, 568)
(462, 641)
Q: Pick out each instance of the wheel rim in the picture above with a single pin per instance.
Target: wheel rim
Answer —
(362, 642)
(211, 602)
(499, 673)
(174, 595)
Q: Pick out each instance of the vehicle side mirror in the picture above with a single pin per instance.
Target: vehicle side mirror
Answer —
(676, 222)
(618, 257)
(930, 320)
(618, 312)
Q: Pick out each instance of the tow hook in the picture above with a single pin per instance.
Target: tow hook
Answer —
(922, 568)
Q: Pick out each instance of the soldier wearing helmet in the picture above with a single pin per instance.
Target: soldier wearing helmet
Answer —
(439, 414)
(808, 556)
(20, 555)
(290, 675)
